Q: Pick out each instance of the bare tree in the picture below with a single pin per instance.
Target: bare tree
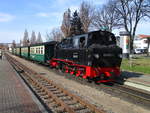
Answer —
(13, 44)
(33, 38)
(86, 14)
(106, 17)
(65, 27)
(131, 13)
(39, 38)
(25, 38)
(55, 35)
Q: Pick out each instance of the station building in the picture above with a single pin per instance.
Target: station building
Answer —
(141, 43)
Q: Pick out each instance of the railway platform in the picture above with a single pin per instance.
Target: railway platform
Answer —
(137, 80)
(15, 97)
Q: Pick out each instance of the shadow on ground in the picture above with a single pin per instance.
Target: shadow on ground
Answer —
(126, 75)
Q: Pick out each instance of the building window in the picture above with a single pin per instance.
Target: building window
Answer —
(145, 41)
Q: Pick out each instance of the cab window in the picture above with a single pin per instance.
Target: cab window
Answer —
(75, 42)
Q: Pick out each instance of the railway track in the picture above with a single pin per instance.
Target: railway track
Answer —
(53, 96)
(133, 95)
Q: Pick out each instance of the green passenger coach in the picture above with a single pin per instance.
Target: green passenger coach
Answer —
(37, 53)
(25, 52)
(18, 51)
(42, 52)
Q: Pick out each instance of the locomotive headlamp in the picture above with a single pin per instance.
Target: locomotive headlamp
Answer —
(96, 56)
(120, 55)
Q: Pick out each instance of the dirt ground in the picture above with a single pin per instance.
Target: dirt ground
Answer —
(99, 98)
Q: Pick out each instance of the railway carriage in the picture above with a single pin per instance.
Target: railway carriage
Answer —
(25, 52)
(42, 52)
(18, 51)
(13, 51)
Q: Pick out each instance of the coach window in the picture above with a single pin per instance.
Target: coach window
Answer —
(33, 50)
(41, 50)
(36, 50)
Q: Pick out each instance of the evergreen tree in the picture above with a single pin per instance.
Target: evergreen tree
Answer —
(33, 38)
(39, 38)
(25, 38)
(76, 25)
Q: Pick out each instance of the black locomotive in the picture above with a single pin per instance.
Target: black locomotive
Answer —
(94, 56)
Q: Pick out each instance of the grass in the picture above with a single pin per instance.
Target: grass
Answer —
(141, 64)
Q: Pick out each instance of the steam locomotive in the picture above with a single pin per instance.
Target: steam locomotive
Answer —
(93, 56)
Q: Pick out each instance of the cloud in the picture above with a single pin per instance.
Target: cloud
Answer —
(52, 14)
(4, 17)
(42, 14)
(62, 1)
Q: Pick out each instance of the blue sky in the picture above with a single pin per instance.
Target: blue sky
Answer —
(39, 15)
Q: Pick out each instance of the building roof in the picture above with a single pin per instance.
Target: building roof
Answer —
(143, 36)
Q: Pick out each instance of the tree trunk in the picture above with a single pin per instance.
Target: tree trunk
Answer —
(131, 45)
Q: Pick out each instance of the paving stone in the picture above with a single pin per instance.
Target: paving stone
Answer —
(14, 97)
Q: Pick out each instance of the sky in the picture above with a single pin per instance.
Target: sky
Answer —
(40, 16)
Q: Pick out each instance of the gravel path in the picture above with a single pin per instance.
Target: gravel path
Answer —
(101, 99)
